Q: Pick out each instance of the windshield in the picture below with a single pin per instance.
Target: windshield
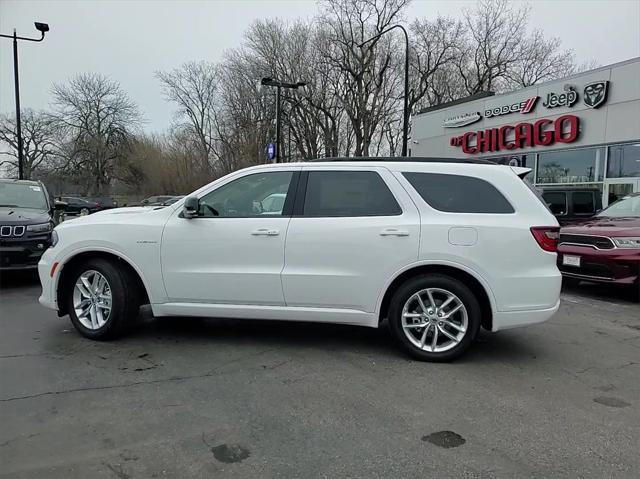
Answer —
(628, 206)
(19, 195)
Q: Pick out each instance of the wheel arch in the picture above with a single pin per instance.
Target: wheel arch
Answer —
(64, 277)
(479, 288)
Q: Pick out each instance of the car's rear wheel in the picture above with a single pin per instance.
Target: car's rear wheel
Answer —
(84, 211)
(102, 299)
(434, 317)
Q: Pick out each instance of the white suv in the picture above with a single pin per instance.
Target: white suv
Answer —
(438, 248)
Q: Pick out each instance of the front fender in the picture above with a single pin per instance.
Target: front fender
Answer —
(146, 264)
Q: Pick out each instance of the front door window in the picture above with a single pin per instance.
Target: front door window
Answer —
(259, 194)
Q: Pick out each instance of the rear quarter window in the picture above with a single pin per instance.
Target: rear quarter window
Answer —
(458, 193)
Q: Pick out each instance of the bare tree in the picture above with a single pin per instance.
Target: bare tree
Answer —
(39, 142)
(495, 39)
(369, 75)
(435, 48)
(97, 119)
(193, 88)
(539, 59)
(499, 53)
(353, 103)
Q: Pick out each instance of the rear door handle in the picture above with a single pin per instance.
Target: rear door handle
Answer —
(394, 232)
(265, 232)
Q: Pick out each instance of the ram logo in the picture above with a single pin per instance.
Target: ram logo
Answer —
(595, 94)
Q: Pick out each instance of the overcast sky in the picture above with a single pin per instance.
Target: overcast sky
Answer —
(129, 40)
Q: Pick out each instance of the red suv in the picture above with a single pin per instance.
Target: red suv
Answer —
(605, 248)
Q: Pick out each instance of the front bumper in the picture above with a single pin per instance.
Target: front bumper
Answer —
(48, 297)
(22, 254)
(618, 265)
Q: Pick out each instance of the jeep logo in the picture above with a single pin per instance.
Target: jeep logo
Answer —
(567, 98)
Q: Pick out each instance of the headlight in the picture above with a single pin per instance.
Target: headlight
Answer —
(40, 228)
(54, 238)
(630, 242)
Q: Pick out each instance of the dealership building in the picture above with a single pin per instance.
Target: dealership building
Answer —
(579, 131)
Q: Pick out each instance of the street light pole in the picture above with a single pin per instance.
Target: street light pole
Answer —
(405, 116)
(16, 81)
(279, 85)
(278, 88)
(42, 28)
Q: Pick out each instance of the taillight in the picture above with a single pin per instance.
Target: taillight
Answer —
(547, 237)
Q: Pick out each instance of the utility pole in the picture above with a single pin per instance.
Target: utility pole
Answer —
(279, 85)
(42, 28)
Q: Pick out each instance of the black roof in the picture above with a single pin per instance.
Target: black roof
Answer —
(411, 159)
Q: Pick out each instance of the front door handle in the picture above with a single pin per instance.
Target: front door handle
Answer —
(394, 232)
(265, 232)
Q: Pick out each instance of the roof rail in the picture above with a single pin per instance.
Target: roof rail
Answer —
(410, 159)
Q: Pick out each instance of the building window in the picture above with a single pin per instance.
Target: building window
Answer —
(624, 161)
(571, 166)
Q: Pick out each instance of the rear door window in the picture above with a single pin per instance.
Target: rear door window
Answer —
(458, 193)
(556, 201)
(348, 193)
(584, 203)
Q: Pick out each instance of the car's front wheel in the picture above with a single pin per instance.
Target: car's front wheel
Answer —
(102, 299)
(434, 317)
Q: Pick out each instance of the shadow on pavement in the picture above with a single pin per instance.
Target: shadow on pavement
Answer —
(604, 291)
(289, 335)
(18, 279)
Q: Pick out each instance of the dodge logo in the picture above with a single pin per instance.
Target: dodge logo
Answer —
(595, 94)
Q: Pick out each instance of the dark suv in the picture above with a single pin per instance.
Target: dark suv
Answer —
(572, 205)
(26, 223)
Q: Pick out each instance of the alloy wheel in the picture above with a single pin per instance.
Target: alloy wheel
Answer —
(92, 299)
(434, 320)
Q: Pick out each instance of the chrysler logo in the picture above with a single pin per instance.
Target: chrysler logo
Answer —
(462, 120)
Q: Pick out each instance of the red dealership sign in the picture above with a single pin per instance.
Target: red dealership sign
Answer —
(544, 132)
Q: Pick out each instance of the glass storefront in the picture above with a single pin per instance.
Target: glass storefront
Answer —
(624, 161)
(585, 165)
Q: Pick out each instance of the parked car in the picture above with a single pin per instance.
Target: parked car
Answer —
(103, 202)
(605, 249)
(153, 201)
(436, 247)
(572, 205)
(79, 206)
(26, 222)
(172, 200)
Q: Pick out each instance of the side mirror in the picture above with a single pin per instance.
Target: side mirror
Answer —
(190, 207)
(59, 205)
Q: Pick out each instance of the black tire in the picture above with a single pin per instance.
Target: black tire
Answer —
(570, 282)
(125, 299)
(440, 281)
(84, 211)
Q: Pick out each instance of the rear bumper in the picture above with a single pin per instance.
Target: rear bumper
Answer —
(620, 266)
(515, 319)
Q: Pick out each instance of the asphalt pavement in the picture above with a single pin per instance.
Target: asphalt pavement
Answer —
(186, 398)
